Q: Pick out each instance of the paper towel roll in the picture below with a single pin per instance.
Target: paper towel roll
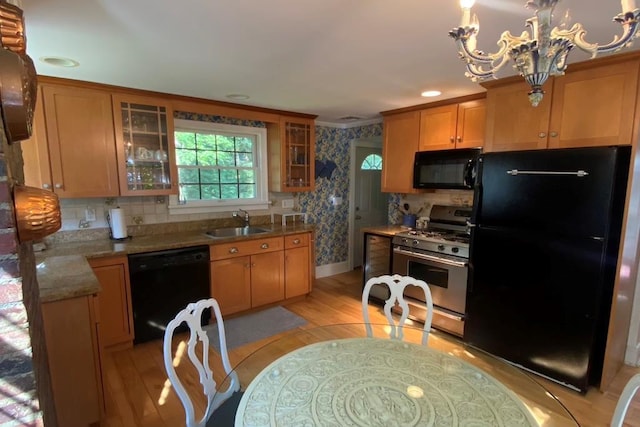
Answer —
(118, 223)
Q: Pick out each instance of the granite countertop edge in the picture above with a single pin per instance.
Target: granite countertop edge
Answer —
(63, 270)
(385, 230)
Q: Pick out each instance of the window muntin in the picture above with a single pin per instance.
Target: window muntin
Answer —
(372, 162)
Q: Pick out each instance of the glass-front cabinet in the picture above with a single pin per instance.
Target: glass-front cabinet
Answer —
(292, 154)
(144, 134)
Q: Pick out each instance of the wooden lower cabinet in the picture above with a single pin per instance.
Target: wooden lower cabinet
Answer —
(73, 348)
(267, 278)
(297, 265)
(115, 300)
(231, 284)
(253, 273)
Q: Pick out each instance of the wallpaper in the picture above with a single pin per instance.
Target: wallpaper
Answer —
(332, 226)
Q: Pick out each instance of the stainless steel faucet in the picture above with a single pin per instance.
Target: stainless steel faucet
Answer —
(244, 215)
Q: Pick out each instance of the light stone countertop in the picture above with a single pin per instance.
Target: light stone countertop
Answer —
(385, 230)
(62, 277)
(63, 271)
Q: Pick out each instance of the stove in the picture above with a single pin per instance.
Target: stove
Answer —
(438, 255)
(447, 233)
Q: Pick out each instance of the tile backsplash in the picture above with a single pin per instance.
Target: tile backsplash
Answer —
(139, 210)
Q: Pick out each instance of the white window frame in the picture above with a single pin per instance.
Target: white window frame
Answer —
(260, 202)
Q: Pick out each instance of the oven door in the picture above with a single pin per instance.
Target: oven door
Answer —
(447, 280)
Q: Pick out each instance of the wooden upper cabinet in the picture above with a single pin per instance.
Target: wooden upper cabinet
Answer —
(79, 124)
(453, 126)
(471, 124)
(401, 134)
(512, 123)
(593, 105)
(35, 151)
(145, 146)
(292, 154)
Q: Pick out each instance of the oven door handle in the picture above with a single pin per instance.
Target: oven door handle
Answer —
(447, 315)
(430, 257)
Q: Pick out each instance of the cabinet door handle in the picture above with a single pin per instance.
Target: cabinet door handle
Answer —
(46, 186)
(233, 250)
(459, 139)
(296, 241)
(452, 139)
(264, 246)
(247, 265)
(58, 185)
(253, 264)
(553, 134)
(542, 135)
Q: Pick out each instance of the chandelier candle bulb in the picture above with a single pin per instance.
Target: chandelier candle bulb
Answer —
(628, 5)
(466, 6)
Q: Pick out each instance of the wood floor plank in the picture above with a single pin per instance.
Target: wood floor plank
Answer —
(135, 378)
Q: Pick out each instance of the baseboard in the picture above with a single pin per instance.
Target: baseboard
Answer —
(331, 269)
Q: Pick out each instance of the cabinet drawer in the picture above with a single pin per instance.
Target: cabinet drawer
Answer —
(246, 247)
(296, 240)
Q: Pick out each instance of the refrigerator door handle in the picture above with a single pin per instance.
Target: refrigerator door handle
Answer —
(578, 173)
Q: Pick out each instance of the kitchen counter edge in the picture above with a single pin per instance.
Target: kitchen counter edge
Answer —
(63, 271)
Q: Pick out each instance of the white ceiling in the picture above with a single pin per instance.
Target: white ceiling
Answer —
(333, 58)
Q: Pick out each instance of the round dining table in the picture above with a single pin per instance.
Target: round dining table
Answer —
(339, 375)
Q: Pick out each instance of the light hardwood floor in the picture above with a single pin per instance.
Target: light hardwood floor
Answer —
(137, 393)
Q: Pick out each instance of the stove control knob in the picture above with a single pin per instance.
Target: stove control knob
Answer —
(416, 242)
(441, 247)
(455, 250)
(405, 240)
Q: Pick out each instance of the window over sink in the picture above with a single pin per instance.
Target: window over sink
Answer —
(221, 167)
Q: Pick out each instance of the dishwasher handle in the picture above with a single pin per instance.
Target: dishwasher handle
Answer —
(161, 259)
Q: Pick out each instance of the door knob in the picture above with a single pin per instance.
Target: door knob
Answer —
(358, 217)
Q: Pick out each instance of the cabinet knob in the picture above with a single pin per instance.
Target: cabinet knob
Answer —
(459, 139)
(554, 134)
(253, 264)
(296, 241)
(247, 265)
(452, 139)
(233, 250)
(46, 186)
(542, 135)
(58, 185)
(264, 246)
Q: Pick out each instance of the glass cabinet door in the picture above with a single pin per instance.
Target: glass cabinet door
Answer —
(146, 141)
(299, 156)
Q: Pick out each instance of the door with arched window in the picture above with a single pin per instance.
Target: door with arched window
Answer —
(370, 203)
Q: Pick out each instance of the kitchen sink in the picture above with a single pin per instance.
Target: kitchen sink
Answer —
(236, 231)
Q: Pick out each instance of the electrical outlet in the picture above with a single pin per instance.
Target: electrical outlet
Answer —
(287, 203)
(89, 214)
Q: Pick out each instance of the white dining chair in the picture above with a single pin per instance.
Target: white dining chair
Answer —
(625, 399)
(221, 404)
(396, 285)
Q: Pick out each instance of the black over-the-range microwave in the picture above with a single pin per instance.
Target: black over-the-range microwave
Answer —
(446, 169)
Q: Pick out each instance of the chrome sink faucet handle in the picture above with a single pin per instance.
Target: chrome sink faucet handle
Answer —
(241, 213)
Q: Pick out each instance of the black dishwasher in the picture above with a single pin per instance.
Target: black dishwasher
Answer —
(162, 284)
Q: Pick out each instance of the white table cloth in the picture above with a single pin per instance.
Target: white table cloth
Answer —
(377, 382)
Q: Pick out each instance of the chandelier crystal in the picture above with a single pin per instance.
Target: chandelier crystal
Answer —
(542, 51)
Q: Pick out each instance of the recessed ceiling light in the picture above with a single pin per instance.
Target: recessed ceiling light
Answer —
(430, 93)
(59, 61)
(237, 96)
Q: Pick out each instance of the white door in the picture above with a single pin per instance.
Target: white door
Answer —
(370, 207)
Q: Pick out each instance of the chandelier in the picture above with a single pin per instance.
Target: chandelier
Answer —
(537, 54)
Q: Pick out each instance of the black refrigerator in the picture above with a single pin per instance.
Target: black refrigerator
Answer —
(545, 236)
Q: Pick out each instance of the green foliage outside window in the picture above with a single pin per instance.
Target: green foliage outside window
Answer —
(216, 166)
